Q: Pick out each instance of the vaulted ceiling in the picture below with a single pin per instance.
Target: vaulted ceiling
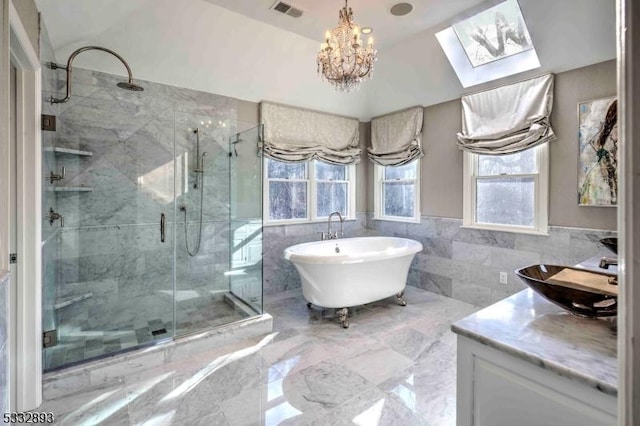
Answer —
(243, 49)
(319, 16)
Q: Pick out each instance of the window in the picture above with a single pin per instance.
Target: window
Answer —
(489, 45)
(305, 192)
(397, 192)
(507, 192)
(494, 33)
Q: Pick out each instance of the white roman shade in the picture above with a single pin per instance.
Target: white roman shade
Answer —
(296, 135)
(508, 119)
(396, 138)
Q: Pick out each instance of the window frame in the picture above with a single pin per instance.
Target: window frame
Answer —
(378, 209)
(541, 194)
(311, 187)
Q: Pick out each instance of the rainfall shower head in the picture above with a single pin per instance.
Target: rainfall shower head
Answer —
(128, 85)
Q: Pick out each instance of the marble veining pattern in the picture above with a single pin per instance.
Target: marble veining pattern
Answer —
(143, 153)
(531, 328)
(465, 263)
(457, 262)
(394, 366)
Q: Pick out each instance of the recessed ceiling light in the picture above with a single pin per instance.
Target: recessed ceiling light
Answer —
(366, 30)
(401, 9)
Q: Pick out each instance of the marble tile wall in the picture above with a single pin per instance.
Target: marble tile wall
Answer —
(457, 262)
(110, 245)
(465, 264)
(280, 274)
(4, 343)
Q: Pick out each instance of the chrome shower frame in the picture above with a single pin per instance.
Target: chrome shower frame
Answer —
(129, 85)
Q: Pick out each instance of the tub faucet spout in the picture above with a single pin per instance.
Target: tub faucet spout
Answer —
(337, 234)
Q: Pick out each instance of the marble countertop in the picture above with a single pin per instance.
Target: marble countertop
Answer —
(528, 327)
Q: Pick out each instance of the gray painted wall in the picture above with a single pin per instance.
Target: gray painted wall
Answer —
(30, 18)
(441, 172)
(583, 84)
(441, 182)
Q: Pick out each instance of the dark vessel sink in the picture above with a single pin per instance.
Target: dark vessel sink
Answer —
(579, 302)
(610, 243)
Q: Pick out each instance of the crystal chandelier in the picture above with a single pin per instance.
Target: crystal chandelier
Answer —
(343, 61)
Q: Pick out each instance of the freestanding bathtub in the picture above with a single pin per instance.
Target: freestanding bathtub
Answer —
(347, 272)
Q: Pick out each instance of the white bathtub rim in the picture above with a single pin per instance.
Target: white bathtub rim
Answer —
(412, 247)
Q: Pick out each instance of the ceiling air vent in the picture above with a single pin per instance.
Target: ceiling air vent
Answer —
(287, 9)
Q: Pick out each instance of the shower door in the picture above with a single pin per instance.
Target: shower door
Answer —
(162, 232)
(245, 169)
(202, 200)
(112, 263)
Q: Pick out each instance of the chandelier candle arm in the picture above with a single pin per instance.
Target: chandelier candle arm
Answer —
(343, 60)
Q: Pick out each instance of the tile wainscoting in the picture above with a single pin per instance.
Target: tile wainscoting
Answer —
(457, 262)
(465, 264)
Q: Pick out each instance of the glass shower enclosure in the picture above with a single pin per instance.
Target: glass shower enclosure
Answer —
(151, 229)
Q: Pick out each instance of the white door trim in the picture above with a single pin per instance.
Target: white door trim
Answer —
(628, 12)
(26, 388)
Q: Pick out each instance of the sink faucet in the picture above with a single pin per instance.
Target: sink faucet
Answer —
(334, 235)
(605, 262)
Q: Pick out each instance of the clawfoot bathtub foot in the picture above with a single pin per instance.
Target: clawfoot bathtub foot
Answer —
(309, 305)
(400, 299)
(343, 317)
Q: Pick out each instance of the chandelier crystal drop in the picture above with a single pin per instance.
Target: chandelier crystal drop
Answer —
(343, 60)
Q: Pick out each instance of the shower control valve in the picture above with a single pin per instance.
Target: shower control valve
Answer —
(54, 177)
(53, 216)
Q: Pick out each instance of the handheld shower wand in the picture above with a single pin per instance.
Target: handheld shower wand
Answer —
(199, 170)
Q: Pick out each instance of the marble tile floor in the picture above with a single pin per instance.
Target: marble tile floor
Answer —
(394, 366)
(76, 344)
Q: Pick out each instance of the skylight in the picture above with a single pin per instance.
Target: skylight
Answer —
(492, 44)
(493, 34)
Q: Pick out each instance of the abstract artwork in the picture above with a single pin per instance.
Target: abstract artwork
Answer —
(598, 152)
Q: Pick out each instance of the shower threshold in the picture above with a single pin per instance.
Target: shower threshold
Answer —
(114, 368)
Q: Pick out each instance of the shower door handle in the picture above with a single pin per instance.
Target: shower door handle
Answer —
(163, 226)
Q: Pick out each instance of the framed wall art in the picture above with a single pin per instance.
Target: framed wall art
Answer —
(598, 152)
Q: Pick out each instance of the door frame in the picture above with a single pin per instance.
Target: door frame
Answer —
(25, 323)
(628, 46)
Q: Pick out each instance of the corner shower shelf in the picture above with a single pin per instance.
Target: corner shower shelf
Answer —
(69, 151)
(71, 189)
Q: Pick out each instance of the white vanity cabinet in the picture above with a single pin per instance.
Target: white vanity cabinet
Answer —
(526, 362)
(497, 389)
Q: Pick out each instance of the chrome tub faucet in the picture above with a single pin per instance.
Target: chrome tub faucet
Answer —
(337, 234)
